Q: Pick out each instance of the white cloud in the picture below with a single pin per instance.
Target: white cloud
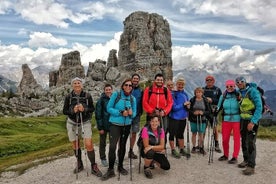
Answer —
(259, 11)
(41, 39)
(4, 6)
(48, 12)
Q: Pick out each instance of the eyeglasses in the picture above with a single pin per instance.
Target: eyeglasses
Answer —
(208, 80)
(129, 85)
(229, 87)
(239, 82)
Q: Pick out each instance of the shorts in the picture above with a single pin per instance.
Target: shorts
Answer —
(198, 127)
(135, 124)
(71, 130)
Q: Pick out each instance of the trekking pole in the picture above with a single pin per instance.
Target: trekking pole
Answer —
(188, 139)
(84, 147)
(77, 147)
(211, 149)
(162, 124)
(130, 158)
(208, 142)
(140, 149)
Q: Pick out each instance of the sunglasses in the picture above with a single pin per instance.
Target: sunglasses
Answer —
(208, 80)
(240, 82)
(229, 87)
(129, 85)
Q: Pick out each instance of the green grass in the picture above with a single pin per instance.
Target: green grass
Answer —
(25, 140)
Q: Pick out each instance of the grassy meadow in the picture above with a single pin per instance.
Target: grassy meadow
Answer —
(26, 142)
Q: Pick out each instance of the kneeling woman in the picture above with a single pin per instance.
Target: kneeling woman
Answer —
(154, 142)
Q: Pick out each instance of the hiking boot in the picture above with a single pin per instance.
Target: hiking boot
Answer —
(217, 149)
(148, 173)
(202, 151)
(243, 164)
(78, 168)
(175, 154)
(223, 158)
(132, 155)
(109, 174)
(193, 150)
(233, 161)
(104, 162)
(122, 171)
(248, 171)
(95, 170)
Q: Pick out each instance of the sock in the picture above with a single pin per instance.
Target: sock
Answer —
(91, 156)
(78, 154)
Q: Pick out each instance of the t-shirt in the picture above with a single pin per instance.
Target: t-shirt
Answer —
(145, 134)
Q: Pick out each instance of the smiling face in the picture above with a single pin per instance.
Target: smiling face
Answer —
(159, 81)
(77, 86)
(127, 87)
(108, 91)
(135, 80)
(154, 122)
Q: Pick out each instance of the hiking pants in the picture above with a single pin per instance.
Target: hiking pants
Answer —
(117, 133)
(102, 146)
(157, 157)
(249, 143)
(226, 130)
(176, 129)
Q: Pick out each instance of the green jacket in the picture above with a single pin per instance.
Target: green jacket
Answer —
(101, 114)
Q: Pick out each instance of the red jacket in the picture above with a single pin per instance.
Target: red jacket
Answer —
(157, 100)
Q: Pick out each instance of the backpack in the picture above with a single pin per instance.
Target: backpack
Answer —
(119, 97)
(165, 92)
(87, 95)
(247, 107)
(261, 90)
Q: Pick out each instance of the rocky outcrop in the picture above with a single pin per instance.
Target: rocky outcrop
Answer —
(112, 60)
(28, 86)
(53, 77)
(96, 71)
(145, 45)
(70, 67)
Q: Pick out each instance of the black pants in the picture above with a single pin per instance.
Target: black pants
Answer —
(248, 139)
(158, 157)
(102, 146)
(117, 133)
(176, 129)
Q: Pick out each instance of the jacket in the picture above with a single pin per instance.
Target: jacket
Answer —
(138, 94)
(214, 93)
(207, 113)
(230, 107)
(114, 109)
(179, 111)
(157, 100)
(101, 114)
(71, 100)
(253, 94)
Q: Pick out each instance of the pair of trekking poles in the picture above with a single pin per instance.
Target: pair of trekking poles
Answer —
(79, 116)
(211, 146)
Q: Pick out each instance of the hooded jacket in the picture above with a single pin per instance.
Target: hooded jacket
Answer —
(101, 114)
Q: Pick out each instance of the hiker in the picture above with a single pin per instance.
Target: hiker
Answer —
(177, 118)
(78, 106)
(137, 92)
(199, 112)
(170, 85)
(212, 93)
(251, 113)
(158, 99)
(229, 104)
(122, 109)
(102, 119)
(153, 137)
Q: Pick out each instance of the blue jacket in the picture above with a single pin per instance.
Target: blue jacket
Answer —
(254, 95)
(178, 111)
(115, 109)
(230, 107)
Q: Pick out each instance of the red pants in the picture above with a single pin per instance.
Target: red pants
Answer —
(226, 129)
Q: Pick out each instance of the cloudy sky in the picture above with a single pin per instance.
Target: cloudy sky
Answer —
(239, 34)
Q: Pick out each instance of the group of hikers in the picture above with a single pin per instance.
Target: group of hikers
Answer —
(168, 111)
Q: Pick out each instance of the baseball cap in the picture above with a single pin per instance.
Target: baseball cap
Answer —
(210, 77)
(230, 83)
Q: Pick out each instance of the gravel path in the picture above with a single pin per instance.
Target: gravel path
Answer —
(196, 170)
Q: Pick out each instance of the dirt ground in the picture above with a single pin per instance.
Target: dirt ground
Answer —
(196, 170)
